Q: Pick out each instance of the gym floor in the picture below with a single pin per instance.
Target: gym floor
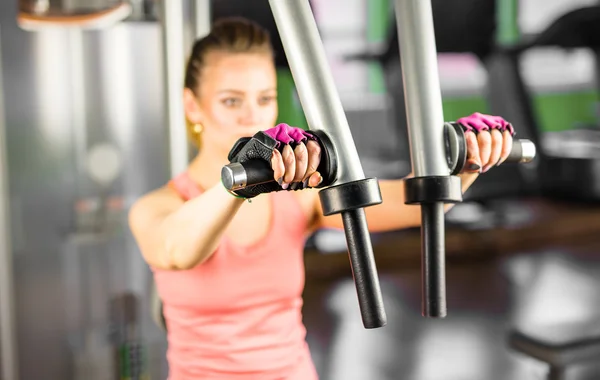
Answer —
(486, 298)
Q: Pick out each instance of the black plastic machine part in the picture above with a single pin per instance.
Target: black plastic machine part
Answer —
(350, 198)
(347, 199)
(432, 193)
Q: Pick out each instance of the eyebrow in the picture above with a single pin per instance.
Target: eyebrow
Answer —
(242, 92)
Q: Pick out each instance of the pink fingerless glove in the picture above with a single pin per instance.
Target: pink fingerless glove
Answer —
(478, 122)
(285, 134)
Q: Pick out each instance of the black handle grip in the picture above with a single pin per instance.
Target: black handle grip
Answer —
(364, 269)
(433, 264)
(237, 175)
(254, 172)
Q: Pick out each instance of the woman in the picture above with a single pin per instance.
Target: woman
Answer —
(230, 273)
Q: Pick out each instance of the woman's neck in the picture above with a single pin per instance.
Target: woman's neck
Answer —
(205, 168)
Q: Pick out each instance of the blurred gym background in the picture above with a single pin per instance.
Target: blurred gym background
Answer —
(84, 122)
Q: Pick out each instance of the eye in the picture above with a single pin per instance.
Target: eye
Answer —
(232, 102)
(265, 100)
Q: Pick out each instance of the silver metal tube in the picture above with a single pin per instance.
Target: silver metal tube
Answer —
(316, 88)
(174, 63)
(8, 325)
(201, 18)
(422, 87)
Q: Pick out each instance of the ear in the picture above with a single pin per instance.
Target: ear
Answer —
(191, 107)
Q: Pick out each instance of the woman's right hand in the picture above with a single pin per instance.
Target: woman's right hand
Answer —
(298, 166)
(294, 154)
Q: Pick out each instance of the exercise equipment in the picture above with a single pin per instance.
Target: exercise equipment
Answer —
(432, 180)
(36, 15)
(348, 191)
(465, 27)
(560, 346)
(566, 169)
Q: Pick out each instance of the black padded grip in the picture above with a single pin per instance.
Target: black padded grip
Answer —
(256, 148)
(259, 172)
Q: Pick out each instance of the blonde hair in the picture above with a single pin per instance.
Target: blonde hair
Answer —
(228, 35)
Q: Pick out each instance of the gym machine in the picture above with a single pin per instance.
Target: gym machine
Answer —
(438, 149)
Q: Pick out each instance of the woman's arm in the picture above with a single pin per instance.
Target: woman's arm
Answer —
(488, 141)
(173, 234)
(393, 213)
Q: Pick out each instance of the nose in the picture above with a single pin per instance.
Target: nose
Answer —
(250, 114)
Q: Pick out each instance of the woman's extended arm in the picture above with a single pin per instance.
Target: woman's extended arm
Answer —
(488, 141)
(392, 214)
(173, 234)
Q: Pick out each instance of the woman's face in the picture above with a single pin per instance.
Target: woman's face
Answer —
(237, 97)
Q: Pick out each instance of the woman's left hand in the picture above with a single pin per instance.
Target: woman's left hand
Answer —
(489, 141)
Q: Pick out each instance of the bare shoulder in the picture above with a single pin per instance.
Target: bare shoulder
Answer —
(308, 200)
(153, 206)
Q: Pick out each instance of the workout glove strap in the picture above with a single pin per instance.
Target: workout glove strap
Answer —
(261, 146)
(478, 122)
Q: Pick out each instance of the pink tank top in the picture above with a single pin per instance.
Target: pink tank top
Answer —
(238, 315)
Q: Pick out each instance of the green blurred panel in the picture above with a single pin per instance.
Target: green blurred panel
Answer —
(554, 111)
(378, 17)
(561, 111)
(290, 109)
(455, 108)
(507, 32)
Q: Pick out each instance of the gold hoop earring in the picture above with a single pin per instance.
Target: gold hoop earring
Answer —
(198, 129)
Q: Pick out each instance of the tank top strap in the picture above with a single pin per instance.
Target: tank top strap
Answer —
(185, 186)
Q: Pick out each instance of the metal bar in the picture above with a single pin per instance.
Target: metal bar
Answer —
(316, 88)
(324, 112)
(422, 87)
(423, 99)
(174, 63)
(8, 325)
(201, 18)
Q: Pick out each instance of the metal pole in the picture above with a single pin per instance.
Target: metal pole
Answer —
(8, 325)
(174, 64)
(422, 87)
(350, 192)
(316, 87)
(201, 18)
(426, 135)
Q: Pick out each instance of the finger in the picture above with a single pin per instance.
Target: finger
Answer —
(301, 162)
(314, 157)
(506, 146)
(479, 125)
(496, 149)
(315, 179)
(484, 139)
(499, 120)
(473, 163)
(289, 161)
(277, 166)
